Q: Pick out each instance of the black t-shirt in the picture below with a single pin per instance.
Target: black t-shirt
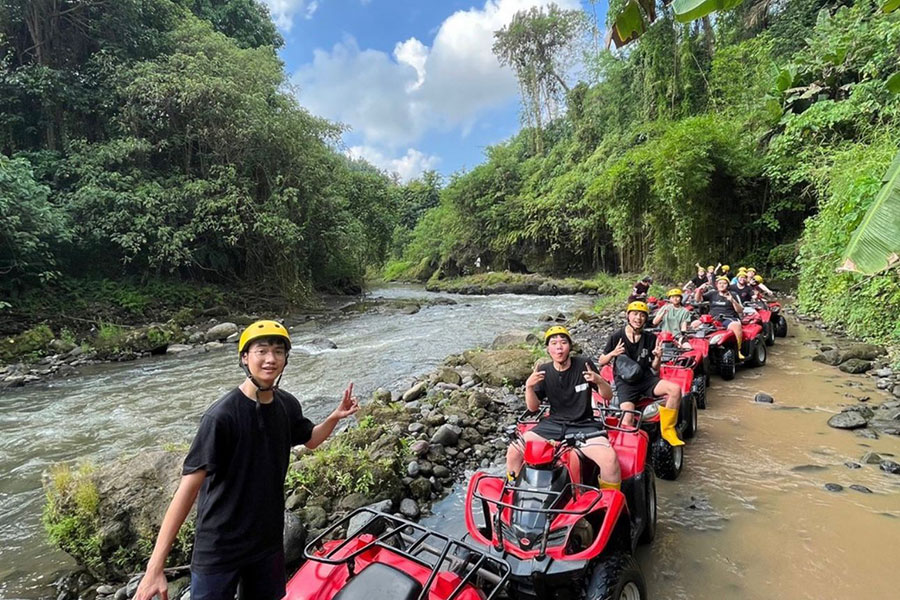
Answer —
(640, 288)
(699, 280)
(641, 351)
(719, 305)
(240, 508)
(567, 392)
(745, 295)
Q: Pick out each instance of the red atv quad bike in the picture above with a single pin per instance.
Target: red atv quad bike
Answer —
(667, 460)
(778, 320)
(562, 537)
(723, 354)
(766, 318)
(682, 353)
(389, 558)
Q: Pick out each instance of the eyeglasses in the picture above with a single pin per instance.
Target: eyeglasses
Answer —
(279, 353)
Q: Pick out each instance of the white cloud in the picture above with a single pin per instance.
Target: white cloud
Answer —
(283, 11)
(391, 101)
(407, 167)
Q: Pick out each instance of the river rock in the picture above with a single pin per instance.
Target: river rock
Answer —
(896, 391)
(220, 332)
(321, 343)
(442, 472)
(178, 348)
(871, 458)
(412, 469)
(884, 383)
(294, 539)
(357, 522)
(847, 420)
(828, 357)
(353, 501)
(852, 465)
(409, 508)
(447, 375)
(419, 448)
(855, 366)
(415, 428)
(889, 466)
(512, 339)
(834, 487)
(501, 367)
(763, 398)
(884, 372)
(864, 352)
(315, 516)
(869, 434)
(860, 488)
(415, 391)
(446, 435)
(381, 396)
(420, 488)
(435, 418)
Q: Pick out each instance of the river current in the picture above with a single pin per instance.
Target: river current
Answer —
(748, 519)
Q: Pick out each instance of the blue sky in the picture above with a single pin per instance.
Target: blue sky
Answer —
(414, 80)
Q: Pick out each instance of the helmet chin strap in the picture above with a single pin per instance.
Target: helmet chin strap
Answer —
(259, 387)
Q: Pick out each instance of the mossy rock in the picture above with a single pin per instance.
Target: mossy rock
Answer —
(502, 367)
(29, 344)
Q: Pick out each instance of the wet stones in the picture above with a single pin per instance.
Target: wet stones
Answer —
(409, 508)
(763, 398)
(220, 332)
(415, 391)
(860, 488)
(847, 420)
(834, 487)
(446, 435)
(855, 366)
(871, 458)
(889, 466)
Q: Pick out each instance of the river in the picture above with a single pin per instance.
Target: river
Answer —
(125, 408)
(748, 519)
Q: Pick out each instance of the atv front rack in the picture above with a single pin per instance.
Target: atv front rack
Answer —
(430, 549)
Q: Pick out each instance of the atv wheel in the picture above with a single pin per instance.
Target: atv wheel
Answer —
(667, 460)
(726, 365)
(758, 358)
(649, 531)
(698, 389)
(781, 326)
(689, 410)
(769, 333)
(617, 577)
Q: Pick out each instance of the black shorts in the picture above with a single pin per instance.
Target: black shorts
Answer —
(552, 430)
(632, 392)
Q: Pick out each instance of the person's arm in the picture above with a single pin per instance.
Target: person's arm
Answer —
(348, 406)
(154, 580)
(738, 307)
(660, 314)
(532, 402)
(611, 352)
(657, 354)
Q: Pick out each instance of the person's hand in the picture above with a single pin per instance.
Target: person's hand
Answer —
(152, 585)
(535, 378)
(349, 404)
(590, 375)
(619, 349)
(657, 350)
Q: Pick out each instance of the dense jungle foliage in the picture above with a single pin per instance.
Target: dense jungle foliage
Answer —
(156, 145)
(757, 137)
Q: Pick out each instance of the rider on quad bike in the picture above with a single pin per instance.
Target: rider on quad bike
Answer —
(634, 374)
(641, 288)
(673, 317)
(725, 307)
(567, 384)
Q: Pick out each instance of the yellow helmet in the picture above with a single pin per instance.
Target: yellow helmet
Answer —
(556, 330)
(725, 268)
(674, 292)
(711, 268)
(758, 278)
(751, 269)
(261, 329)
(722, 278)
(638, 306)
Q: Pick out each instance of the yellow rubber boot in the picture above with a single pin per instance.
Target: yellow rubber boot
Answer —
(667, 418)
(605, 485)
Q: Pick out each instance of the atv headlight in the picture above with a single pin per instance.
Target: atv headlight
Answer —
(716, 338)
(650, 410)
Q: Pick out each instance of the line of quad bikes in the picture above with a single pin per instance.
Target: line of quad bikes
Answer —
(551, 533)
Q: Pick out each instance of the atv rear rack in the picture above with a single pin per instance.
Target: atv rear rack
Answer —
(430, 549)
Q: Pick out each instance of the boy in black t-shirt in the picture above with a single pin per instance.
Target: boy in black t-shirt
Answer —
(644, 348)
(566, 383)
(237, 465)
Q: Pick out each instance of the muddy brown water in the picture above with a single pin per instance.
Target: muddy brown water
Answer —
(749, 518)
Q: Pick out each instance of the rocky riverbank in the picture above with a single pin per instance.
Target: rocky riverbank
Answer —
(41, 354)
(505, 282)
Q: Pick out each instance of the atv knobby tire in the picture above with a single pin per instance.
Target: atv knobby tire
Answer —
(650, 508)
(726, 365)
(698, 389)
(758, 358)
(689, 416)
(617, 577)
(781, 326)
(667, 460)
(769, 333)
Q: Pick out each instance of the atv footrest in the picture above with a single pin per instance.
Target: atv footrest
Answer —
(380, 581)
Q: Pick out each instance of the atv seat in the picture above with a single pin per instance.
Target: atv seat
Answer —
(380, 581)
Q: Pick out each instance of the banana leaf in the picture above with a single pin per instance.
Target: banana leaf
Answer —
(691, 10)
(629, 24)
(893, 82)
(890, 6)
(875, 245)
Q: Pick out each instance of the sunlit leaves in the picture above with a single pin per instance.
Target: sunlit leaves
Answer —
(691, 10)
(893, 83)
(890, 5)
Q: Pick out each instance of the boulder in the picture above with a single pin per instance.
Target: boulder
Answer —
(855, 366)
(447, 375)
(847, 420)
(502, 367)
(446, 435)
(363, 518)
(315, 516)
(409, 508)
(415, 391)
(829, 357)
(862, 352)
(321, 343)
(420, 488)
(294, 540)
(381, 396)
(220, 332)
(515, 338)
